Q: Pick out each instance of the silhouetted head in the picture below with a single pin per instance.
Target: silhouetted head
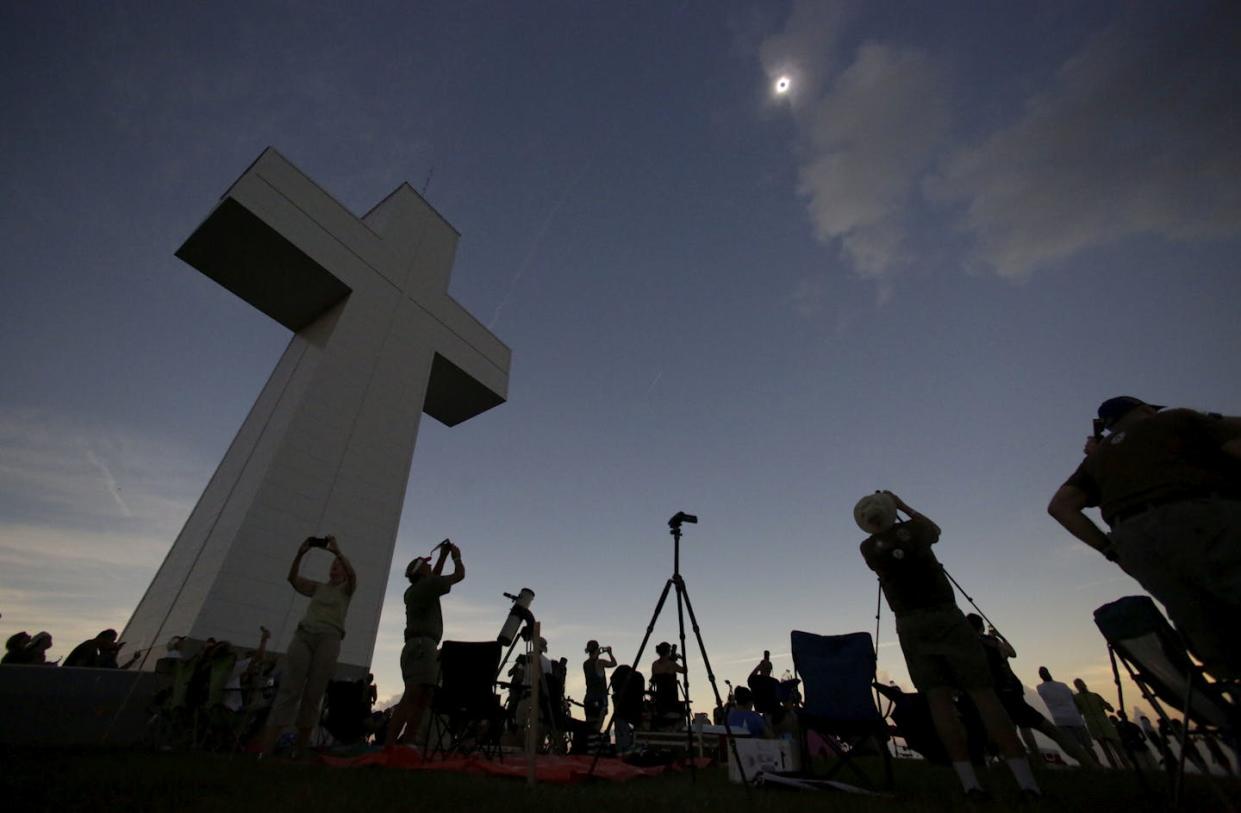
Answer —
(16, 641)
(1043, 673)
(663, 649)
(1080, 684)
(743, 697)
(975, 621)
(338, 574)
(875, 513)
(592, 647)
(41, 642)
(419, 567)
(1124, 408)
(106, 637)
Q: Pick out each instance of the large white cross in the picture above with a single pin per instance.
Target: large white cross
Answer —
(328, 444)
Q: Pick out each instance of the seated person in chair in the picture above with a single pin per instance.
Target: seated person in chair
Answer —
(664, 685)
(743, 715)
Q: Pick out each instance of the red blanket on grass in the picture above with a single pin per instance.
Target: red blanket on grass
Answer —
(548, 768)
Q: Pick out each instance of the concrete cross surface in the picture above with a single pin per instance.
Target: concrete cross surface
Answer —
(327, 446)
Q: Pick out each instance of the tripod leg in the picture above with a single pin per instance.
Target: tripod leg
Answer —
(683, 592)
(689, 723)
(624, 685)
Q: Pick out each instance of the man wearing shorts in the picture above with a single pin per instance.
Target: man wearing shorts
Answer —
(941, 649)
(424, 627)
(1168, 484)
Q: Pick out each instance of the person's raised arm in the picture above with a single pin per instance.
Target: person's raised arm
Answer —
(256, 660)
(901, 505)
(300, 583)
(445, 548)
(1066, 507)
(610, 663)
(351, 577)
(458, 569)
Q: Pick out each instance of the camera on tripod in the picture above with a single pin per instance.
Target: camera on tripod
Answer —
(681, 516)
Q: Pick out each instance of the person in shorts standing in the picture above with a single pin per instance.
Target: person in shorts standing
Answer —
(594, 669)
(941, 649)
(424, 627)
(1168, 484)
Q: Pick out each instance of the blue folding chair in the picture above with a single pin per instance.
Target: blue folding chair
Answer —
(837, 672)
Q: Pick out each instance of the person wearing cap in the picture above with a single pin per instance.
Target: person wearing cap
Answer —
(1168, 484)
(941, 649)
(424, 627)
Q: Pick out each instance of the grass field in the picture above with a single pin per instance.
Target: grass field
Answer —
(141, 781)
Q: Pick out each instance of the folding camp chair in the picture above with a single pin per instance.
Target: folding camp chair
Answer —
(1155, 657)
(837, 672)
(911, 715)
(346, 711)
(466, 713)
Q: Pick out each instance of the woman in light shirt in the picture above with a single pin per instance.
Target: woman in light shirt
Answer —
(314, 648)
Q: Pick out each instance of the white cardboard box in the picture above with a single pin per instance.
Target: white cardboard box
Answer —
(762, 755)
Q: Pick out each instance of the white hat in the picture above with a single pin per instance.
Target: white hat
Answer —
(875, 513)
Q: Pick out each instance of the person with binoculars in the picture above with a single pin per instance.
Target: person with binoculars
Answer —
(312, 653)
(596, 672)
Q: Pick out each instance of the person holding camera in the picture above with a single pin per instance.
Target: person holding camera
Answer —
(311, 658)
(424, 627)
(595, 670)
(1168, 484)
(941, 650)
(665, 686)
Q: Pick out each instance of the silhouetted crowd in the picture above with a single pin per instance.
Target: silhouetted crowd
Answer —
(99, 652)
(1166, 481)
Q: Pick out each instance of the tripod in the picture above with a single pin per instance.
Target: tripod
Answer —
(683, 605)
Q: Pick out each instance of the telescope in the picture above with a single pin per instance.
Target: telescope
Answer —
(519, 614)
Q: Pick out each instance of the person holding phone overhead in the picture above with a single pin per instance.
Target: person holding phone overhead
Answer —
(311, 658)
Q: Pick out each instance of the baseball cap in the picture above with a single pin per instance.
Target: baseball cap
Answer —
(1113, 409)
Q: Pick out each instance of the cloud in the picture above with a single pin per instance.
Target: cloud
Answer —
(56, 470)
(869, 122)
(1137, 135)
(74, 555)
(871, 137)
(1134, 134)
